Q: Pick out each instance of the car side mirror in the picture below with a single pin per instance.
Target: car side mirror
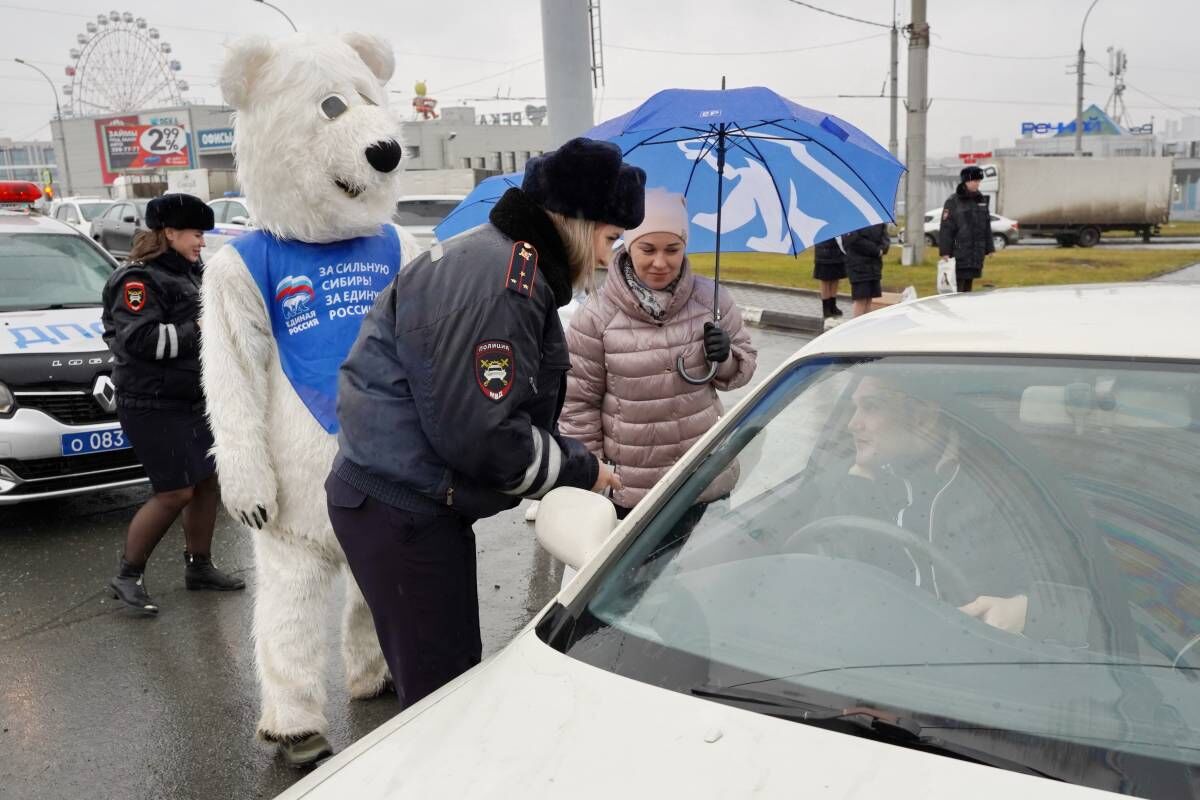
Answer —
(573, 524)
(129, 219)
(239, 220)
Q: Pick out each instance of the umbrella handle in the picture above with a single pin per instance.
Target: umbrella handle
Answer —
(682, 370)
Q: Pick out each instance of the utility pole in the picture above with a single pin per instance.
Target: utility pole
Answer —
(893, 140)
(917, 106)
(567, 58)
(1079, 85)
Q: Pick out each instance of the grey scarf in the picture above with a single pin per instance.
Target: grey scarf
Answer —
(643, 293)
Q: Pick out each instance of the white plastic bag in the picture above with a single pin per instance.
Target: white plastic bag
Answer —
(908, 295)
(947, 277)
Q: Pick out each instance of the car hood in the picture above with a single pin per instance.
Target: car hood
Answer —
(532, 722)
(70, 330)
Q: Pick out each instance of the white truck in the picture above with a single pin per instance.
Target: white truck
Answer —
(203, 183)
(1076, 200)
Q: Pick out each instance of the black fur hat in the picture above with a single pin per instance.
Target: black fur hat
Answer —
(179, 211)
(970, 174)
(586, 178)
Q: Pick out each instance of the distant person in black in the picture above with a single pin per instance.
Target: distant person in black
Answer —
(151, 312)
(966, 231)
(829, 267)
(865, 249)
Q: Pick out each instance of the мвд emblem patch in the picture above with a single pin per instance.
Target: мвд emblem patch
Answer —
(495, 368)
(135, 295)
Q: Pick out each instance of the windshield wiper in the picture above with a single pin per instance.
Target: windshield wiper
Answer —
(866, 721)
(51, 307)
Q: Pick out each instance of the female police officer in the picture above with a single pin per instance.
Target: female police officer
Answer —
(151, 307)
(449, 403)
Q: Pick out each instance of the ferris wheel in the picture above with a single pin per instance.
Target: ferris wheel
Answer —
(121, 64)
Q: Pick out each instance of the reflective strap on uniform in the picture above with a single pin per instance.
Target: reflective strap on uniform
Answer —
(553, 469)
(162, 342)
(173, 335)
(535, 466)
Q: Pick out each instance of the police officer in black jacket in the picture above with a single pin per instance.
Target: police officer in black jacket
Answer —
(151, 308)
(966, 231)
(865, 249)
(449, 402)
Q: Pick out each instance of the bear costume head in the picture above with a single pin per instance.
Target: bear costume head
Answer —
(316, 146)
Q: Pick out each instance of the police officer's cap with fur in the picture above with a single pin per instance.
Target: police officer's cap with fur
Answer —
(179, 211)
(586, 178)
(970, 174)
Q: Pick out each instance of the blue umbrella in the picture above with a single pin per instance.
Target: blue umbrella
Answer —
(796, 176)
(473, 210)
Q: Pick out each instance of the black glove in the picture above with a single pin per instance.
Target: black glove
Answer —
(716, 343)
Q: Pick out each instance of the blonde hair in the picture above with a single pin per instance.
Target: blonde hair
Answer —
(148, 245)
(579, 238)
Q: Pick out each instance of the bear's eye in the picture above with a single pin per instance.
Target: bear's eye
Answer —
(333, 106)
(367, 100)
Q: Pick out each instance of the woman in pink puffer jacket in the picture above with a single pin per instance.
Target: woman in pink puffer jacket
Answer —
(625, 399)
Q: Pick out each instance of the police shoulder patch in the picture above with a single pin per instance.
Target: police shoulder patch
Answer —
(135, 295)
(495, 366)
(522, 269)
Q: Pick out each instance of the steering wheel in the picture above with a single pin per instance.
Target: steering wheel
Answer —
(948, 574)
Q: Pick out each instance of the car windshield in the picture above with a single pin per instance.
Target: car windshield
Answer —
(1005, 550)
(41, 270)
(92, 210)
(422, 212)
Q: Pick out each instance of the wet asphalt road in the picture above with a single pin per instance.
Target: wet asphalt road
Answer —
(95, 703)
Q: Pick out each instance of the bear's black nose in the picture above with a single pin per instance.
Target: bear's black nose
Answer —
(385, 155)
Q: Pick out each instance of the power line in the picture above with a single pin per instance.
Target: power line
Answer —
(997, 55)
(746, 52)
(1192, 110)
(811, 7)
(481, 80)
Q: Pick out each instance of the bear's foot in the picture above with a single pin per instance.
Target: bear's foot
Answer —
(368, 687)
(302, 750)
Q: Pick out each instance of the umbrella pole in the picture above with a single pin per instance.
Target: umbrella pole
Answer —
(712, 368)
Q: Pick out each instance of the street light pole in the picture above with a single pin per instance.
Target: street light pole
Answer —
(281, 11)
(58, 116)
(1079, 85)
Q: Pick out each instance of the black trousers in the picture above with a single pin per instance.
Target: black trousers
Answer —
(964, 284)
(417, 572)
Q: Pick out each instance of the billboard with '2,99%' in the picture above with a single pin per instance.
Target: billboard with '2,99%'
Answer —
(130, 147)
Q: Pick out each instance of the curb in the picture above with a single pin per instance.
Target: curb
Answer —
(766, 318)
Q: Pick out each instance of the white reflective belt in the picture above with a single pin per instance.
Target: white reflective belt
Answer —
(553, 469)
(173, 335)
(534, 466)
(162, 341)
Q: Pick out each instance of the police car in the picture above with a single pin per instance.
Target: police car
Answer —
(58, 424)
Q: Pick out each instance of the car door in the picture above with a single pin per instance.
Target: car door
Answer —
(123, 231)
(106, 226)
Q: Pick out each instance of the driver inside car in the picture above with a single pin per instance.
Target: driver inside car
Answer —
(908, 470)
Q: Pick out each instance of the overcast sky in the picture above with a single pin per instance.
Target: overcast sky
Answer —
(471, 49)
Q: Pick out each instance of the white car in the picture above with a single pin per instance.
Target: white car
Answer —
(419, 214)
(78, 212)
(960, 560)
(1005, 231)
(231, 218)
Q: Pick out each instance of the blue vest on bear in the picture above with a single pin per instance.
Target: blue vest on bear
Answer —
(316, 296)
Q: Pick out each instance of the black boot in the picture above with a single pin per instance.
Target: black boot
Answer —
(130, 588)
(834, 311)
(201, 574)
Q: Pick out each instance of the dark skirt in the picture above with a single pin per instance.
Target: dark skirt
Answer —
(172, 444)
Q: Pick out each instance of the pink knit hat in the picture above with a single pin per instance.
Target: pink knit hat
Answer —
(666, 212)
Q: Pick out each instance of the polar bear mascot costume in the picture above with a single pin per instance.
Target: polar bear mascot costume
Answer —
(318, 157)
